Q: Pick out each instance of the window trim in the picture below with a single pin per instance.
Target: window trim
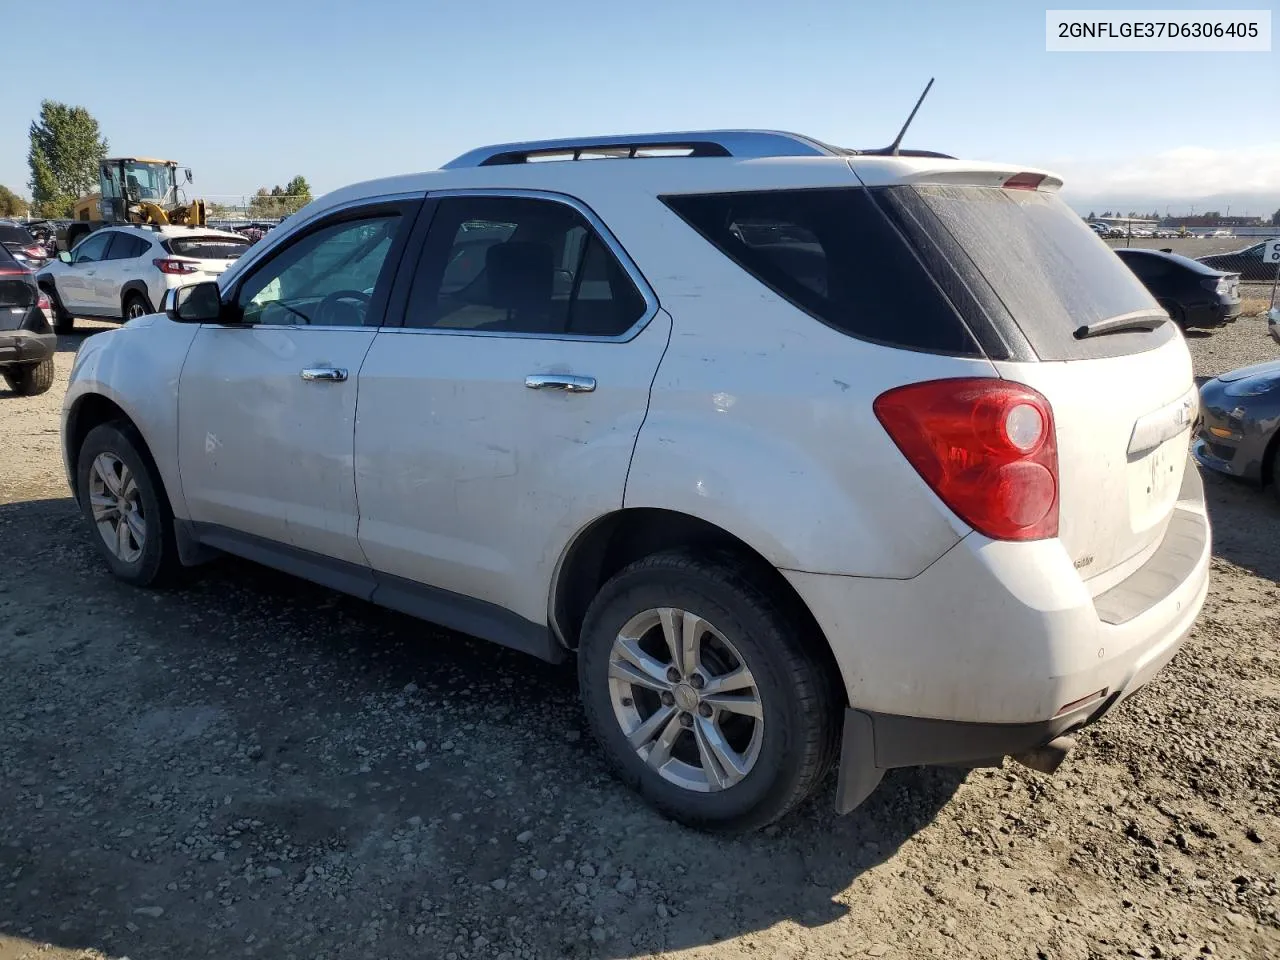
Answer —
(395, 324)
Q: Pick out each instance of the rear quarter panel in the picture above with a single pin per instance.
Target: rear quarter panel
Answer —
(761, 422)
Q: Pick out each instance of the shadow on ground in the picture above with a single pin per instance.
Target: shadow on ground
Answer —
(252, 765)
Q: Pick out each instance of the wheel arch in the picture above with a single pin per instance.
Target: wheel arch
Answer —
(611, 542)
(90, 410)
(140, 288)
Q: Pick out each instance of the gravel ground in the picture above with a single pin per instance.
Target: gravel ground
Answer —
(252, 766)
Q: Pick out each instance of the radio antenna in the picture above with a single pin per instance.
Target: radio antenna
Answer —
(892, 149)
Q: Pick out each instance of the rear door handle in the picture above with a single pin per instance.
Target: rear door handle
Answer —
(324, 374)
(560, 381)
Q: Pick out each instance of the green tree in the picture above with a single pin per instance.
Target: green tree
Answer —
(11, 205)
(66, 148)
(280, 201)
(1275, 219)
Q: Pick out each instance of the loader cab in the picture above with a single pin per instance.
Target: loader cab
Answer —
(128, 181)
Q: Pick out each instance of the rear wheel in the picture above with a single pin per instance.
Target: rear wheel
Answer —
(30, 379)
(135, 305)
(124, 501)
(702, 693)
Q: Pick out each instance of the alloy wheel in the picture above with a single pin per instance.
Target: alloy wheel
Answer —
(117, 507)
(685, 699)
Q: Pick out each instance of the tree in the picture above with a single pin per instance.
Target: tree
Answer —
(66, 148)
(11, 205)
(1275, 219)
(1092, 215)
(280, 201)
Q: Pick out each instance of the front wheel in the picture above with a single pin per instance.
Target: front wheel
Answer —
(31, 379)
(704, 695)
(124, 501)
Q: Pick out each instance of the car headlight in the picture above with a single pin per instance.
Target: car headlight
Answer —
(1253, 387)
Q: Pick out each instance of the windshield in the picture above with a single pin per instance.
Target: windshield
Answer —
(12, 233)
(208, 248)
(149, 181)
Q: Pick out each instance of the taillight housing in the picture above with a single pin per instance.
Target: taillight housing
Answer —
(986, 447)
(34, 251)
(43, 302)
(171, 266)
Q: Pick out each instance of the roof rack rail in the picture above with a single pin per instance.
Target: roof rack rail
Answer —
(695, 143)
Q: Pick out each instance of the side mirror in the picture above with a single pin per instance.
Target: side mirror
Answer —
(64, 256)
(199, 303)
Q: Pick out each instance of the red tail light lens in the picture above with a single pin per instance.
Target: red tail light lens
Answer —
(170, 266)
(37, 252)
(43, 302)
(987, 448)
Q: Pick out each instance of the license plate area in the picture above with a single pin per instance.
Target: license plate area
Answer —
(1154, 481)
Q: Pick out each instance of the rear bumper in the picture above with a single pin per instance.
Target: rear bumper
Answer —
(23, 346)
(999, 648)
(1213, 314)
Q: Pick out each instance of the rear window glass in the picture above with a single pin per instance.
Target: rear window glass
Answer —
(12, 233)
(833, 254)
(208, 248)
(1027, 255)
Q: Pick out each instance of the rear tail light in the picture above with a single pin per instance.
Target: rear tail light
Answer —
(43, 302)
(1024, 181)
(34, 251)
(987, 448)
(171, 266)
(1222, 286)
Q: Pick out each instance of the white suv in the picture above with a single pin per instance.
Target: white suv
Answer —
(802, 453)
(118, 273)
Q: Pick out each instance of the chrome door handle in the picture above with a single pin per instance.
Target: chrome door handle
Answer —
(324, 374)
(560, 381)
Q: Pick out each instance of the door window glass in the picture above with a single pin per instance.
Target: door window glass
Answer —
(519, 265)
(327, 278)
(92, 248)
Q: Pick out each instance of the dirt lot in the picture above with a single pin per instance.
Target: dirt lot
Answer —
(251, 766)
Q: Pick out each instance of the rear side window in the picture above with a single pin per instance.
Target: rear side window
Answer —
(208, 248)
(833, 254)
(126, 246)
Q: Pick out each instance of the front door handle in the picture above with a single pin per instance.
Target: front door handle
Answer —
(560, 381)
(324, 374)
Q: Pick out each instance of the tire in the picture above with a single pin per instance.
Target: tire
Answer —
(63, 322)
(780, 758)
(154, 561)
(134, 305)
(30, 379)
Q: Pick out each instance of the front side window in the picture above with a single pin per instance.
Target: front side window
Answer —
(92, 248)
(327, 278)
(519, 265)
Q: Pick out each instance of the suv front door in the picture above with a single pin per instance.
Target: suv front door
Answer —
(499, 417)
(75, 281)
(267, 405)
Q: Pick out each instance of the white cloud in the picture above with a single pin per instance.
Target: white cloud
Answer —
(1184, 173)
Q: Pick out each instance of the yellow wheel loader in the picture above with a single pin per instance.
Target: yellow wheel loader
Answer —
(133, 190)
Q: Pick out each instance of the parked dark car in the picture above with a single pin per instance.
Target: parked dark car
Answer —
(25, 248)
(1247, 262)
(1239, 431)
(1193, 294)
(27, 342)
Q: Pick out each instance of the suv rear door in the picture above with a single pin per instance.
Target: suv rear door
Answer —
(499, 415)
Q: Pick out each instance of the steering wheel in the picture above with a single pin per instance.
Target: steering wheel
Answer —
(332, 300)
